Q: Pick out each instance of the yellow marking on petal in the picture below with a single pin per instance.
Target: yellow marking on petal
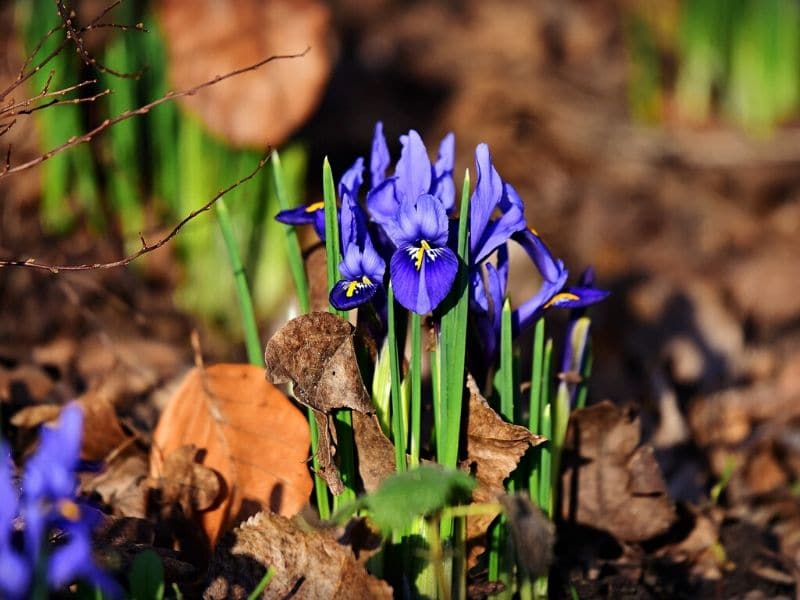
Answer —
(314, 207)
(351, 289)
(69, 510)
(534, 232)
(560, 297)
(366, 280)
(420, 253)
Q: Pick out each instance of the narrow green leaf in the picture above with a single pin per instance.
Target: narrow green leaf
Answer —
(331, 230)
(398, 428)
(262, 585)
(146, 578)
(416, 388)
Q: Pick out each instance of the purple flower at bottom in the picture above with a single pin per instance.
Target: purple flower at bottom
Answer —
(47, 507)
(423, 268)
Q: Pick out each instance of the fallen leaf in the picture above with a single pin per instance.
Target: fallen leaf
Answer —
(187, 483)
(376, 459)
(610, 482)
(307, 564)
(102, 430)
(532, 533)
(494, 449)
(316, 352)
(258, 108)
(123, 485)
(326, 467)
(248, 431)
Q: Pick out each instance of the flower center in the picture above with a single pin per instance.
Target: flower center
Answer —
(356, 285)
(419, 253)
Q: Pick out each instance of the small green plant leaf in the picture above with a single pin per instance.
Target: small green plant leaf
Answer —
(147, 577)
(412, 494)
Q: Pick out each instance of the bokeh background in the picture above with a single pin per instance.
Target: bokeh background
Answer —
(657, 140)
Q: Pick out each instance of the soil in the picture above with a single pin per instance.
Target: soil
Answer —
(693, 228)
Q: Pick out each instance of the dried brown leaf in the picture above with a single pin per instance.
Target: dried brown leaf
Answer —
(376, 459)
(308, 564)
(326, 467)
(206, 38)
(494, 449)
(248, 432)
(316, 352)
(123, 485)
(610, 482)
(102, 432)
(186, 483)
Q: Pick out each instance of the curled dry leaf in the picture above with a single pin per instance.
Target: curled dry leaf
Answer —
(326, 468)
(207, 38)
(316, 352)
(610, 482)
(247, 431)
(376, 460)
(494, 449)
(187, 483)
(308, 564)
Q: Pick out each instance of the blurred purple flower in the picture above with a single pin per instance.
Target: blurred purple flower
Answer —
(47, 505)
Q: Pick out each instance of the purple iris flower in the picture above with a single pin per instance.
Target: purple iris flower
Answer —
(313, 213)
(47, 505)
(362, 268)
(422, 268)
(414, 175)
(552, 293)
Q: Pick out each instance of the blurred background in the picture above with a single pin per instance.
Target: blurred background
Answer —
(657, 140)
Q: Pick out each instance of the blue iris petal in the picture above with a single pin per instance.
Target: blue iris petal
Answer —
(443, 186)
(379, 159)
(422, 289)
(492, 194)
(382, 201)
(313, 214)
(413, 171)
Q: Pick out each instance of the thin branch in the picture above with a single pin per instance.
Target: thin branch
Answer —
(74, 34)
(146, 248)
(11, 108)
(142, 110)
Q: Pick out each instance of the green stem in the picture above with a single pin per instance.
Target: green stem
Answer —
(416, 388)
(535, 410)
(252, 340)
(262, 585)
(398, 428)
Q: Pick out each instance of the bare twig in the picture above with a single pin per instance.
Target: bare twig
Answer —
(75, 34)
(142, 110)
(146, 248)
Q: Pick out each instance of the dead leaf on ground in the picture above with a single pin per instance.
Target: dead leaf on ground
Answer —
(187, 483)
(123, 485)
(208, 38)
(308, 564)
(376, 459)
(610, 482)
(494, 449)
(316, 352)
(102, 432)
(248, 431)
(326, 467)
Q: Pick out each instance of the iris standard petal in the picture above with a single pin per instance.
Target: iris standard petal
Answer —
(431, 220)
(550, 268)
(382, 202)
(352, 179)
(414, 168)
(379, 159)
(487, 194)
(443, 186)
(499, 231)
(422, 277)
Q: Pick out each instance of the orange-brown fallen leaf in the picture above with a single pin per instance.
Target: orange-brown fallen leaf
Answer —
(206, 38)
(248, 431)
(308, 564)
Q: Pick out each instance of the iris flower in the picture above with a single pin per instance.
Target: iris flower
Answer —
(47, 505)
(414, 175)
(422, 268)
(313, 213)
(362, 268)
(552, 293)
